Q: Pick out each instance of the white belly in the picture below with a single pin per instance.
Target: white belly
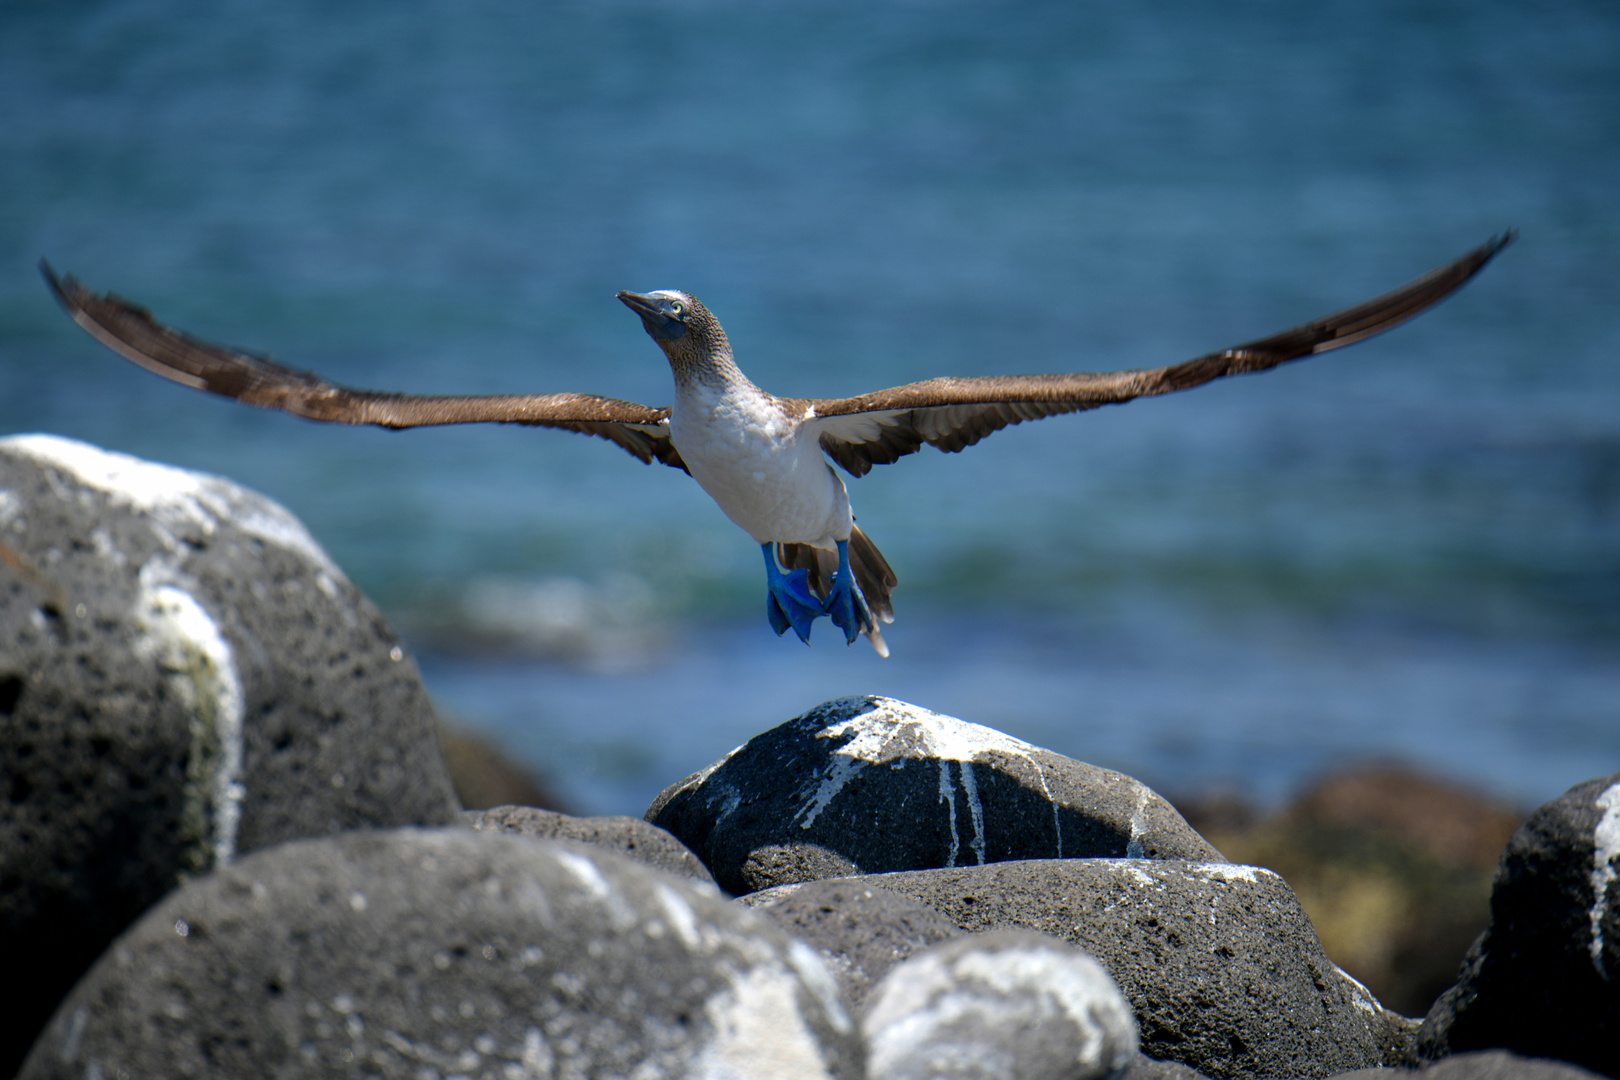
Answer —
(773, 483)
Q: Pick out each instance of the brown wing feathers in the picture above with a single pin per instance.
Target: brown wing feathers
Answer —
(130, 331)
(955, 413)
(857, 433)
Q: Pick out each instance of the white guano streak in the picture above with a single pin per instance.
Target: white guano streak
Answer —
(180, 635)
(947, 795)
(970, 788)
(1134, 848)
(757, 1030)
(173, 497)
(185, 641)
(883, 721)
(1605, 853)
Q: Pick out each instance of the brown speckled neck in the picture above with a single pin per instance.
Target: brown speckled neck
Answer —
(703, 354)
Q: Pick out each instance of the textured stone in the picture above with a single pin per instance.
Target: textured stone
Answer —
(861, 931)
(1005, 1005)
(1543, 980)
(184, 676)
(1146, 1068)
(1219, 962)
(628, 836)
(410, 953)
(870, 785)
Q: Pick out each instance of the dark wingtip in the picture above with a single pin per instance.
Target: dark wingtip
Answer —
(1476, 260)
(59, 286)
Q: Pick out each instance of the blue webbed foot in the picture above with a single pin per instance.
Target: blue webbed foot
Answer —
(845, 605)
(788, 601)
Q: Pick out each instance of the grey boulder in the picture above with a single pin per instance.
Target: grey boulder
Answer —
(411, 953)
(184, 676)
(859, 930)
(1221, 965)
(1146, 1068)
(1005, 1005)
(867, 785)
(631, 837)
(1543, 980)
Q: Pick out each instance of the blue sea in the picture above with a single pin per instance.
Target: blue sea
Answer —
(1407, 550)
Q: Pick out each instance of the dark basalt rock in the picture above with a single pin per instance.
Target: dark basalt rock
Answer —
(1004, 1005)
(627, 836)
(870, 785)
(184, 676)
(1220, 964)
(1543, 980)
(1146, 1068)
(861, 931)
(407, 953)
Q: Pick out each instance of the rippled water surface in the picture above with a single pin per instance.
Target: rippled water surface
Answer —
(1405, 549)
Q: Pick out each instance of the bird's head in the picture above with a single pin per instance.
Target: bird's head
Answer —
(681, 325)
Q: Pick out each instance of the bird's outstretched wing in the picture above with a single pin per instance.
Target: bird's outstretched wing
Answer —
(951, 413)
(131, 332)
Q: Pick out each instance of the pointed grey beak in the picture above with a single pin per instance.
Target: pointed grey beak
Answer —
(654, 319)
(644, 306)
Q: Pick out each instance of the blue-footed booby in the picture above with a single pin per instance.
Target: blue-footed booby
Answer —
(762, 458)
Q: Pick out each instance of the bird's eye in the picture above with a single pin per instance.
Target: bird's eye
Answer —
(677, 309)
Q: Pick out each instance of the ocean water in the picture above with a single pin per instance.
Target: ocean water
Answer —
(1404, 550)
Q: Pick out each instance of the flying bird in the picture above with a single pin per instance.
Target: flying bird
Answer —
(761, 457)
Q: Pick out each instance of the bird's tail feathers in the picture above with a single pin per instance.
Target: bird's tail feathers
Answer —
(873, 574)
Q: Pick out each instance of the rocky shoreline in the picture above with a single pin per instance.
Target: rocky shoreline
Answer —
(231, 847)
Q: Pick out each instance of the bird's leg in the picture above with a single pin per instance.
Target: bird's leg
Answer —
(845, 605)
(788, 601)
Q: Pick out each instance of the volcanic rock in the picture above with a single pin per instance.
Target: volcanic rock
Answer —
(627, 836)
(860, 930)
(870, 785)
(1543, 980)
(1004, 1005)
(1219, 962)
(184, 676)
(408, 953)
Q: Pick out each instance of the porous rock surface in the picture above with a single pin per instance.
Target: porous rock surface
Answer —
(1146, 1068)
(1543, 980)
(859, 930)
(870, 785)
(1003, 1005)
(631, 837)
(410, 953)
(184, 676)
(1219, 962)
